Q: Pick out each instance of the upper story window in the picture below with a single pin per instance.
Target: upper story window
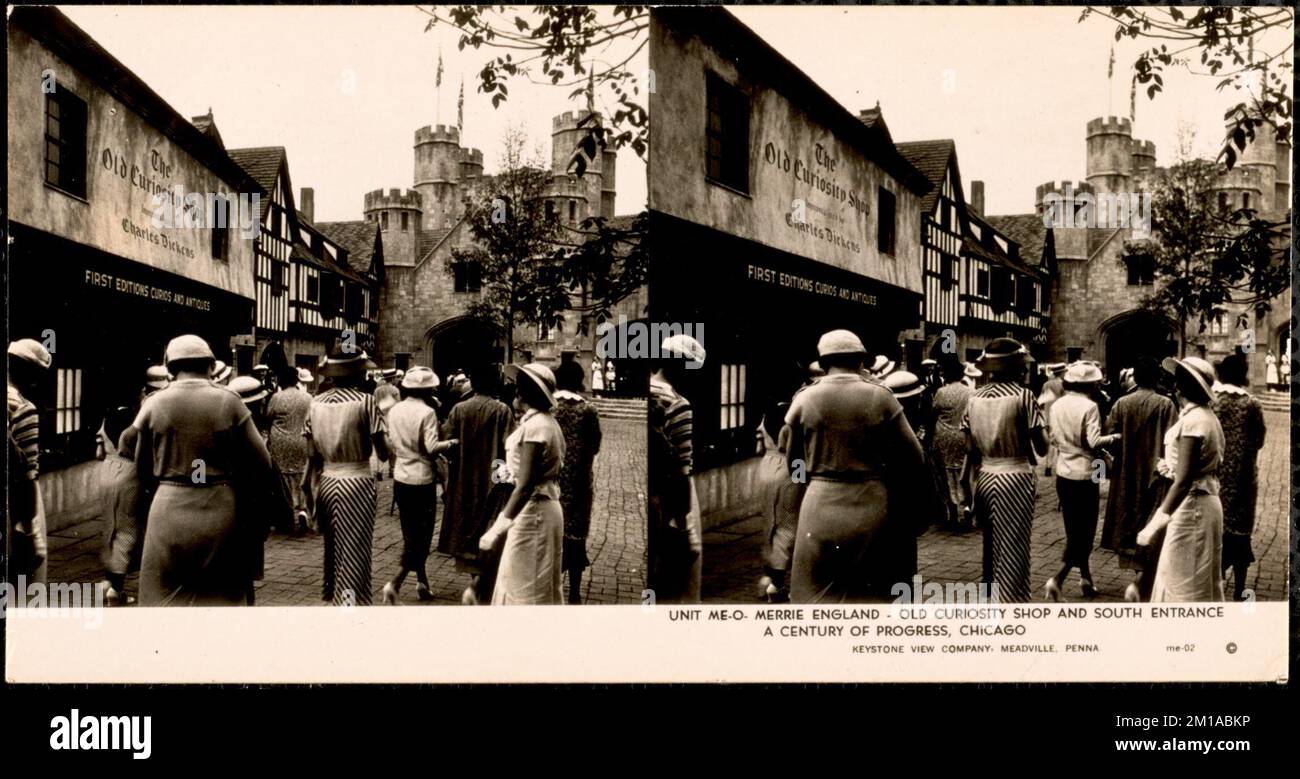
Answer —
(945, 215)
(313, 288)
(405, 225)
(1002, 292)
(1141, 270)
(982, 282)
(1026, 296)
(383, 220)
(573, 210)
(65, 142)
(317, 245)
(220, 240)
(550, 210)
(1223, 201)
(1245, 200)
(885, 218)
(727, 153)
(278, 278)
(468, 276)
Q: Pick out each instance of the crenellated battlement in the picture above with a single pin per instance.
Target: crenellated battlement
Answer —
(1063, 188)
(1110, 125)
(472, 156)
(1144, 148)
(393, 198)
(438, 134)
(568, 120)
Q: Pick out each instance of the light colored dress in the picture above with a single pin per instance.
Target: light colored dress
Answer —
(530, 569)
(287, 412)
(949, 451)
(1190, 559)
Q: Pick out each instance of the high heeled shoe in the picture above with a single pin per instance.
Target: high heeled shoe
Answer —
(1052, 590)
(390, 594)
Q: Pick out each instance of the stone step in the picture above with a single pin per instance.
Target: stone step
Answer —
(621, 408)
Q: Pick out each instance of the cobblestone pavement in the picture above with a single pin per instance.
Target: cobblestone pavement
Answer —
(293, 569)
(732, 565)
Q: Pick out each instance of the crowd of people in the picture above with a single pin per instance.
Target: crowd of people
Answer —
(197, 473)
(864, 457)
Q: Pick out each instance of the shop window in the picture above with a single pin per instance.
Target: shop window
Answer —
(65, 142)
(468, 276)
(885, 217)
(67, 401)
(404, 222)
(731, 409)
(727, 134)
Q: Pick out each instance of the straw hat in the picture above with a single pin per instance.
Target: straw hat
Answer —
(815, 369)
(840, 342)
(221, 372)
(250, 390)
(904, 384)
(388, 374)
(1055, 368)
(1197, 369)
(882, 366)
(187, 347)
(539, 375)
(1002, 353)
(1082, 373)
(342, 363)
(304, 376)
(683, 346)
(155, 377)
(31, 351)
(971, 372)
(419, 378)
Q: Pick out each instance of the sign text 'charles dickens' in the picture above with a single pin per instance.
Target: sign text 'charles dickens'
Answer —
(804, 284)
(131, 287)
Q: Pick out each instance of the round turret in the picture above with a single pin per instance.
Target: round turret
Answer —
(437, 172)
(1110, 154)
(565, 137)
(1252, 182)
(398, 214)
(568, 196)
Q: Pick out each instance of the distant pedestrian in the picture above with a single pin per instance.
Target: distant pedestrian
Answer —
(261, 503)
(1140, 419)
(948, 453)
(343, 428)
(1191, 515)
(1006, 432)
(120, 498)
(1076, 434)
(1242, 419)
(532, 521)
(287, 411)
(413, 434)
(580, 423)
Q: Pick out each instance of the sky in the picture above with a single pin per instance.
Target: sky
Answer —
(1013, 86)
(344, 88)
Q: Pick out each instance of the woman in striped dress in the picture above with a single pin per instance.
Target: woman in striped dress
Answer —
(1005, 427)
(343, 427)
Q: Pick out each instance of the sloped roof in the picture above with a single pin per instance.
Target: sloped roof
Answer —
(1027, 230)
(263, 164)
(208, 126)
(357, 237)
(931, 158)
(426, 240)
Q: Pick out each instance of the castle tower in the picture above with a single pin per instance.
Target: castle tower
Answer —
(1110, 154)
(1282, 178)
(471, 178)
(568, 197)
(437, 174)
(398, 215)
(1144, 158)
(1071, 242)
(565, 135)
(1255, 174)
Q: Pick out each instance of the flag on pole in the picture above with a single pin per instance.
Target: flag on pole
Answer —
(437, 82)
(1133, 101)
(460, 106)
(1110, 68)
(591, 89)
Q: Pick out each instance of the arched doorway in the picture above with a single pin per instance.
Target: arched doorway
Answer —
(462, 342)
(1134, 334)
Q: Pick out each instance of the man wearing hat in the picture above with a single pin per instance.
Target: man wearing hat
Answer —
(475, 493)
(413, 435)
(868, 487)
(155, 378)
(1076, 434)
(1191, 514)
(221, 372)
(26, 546)
(674, 538)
